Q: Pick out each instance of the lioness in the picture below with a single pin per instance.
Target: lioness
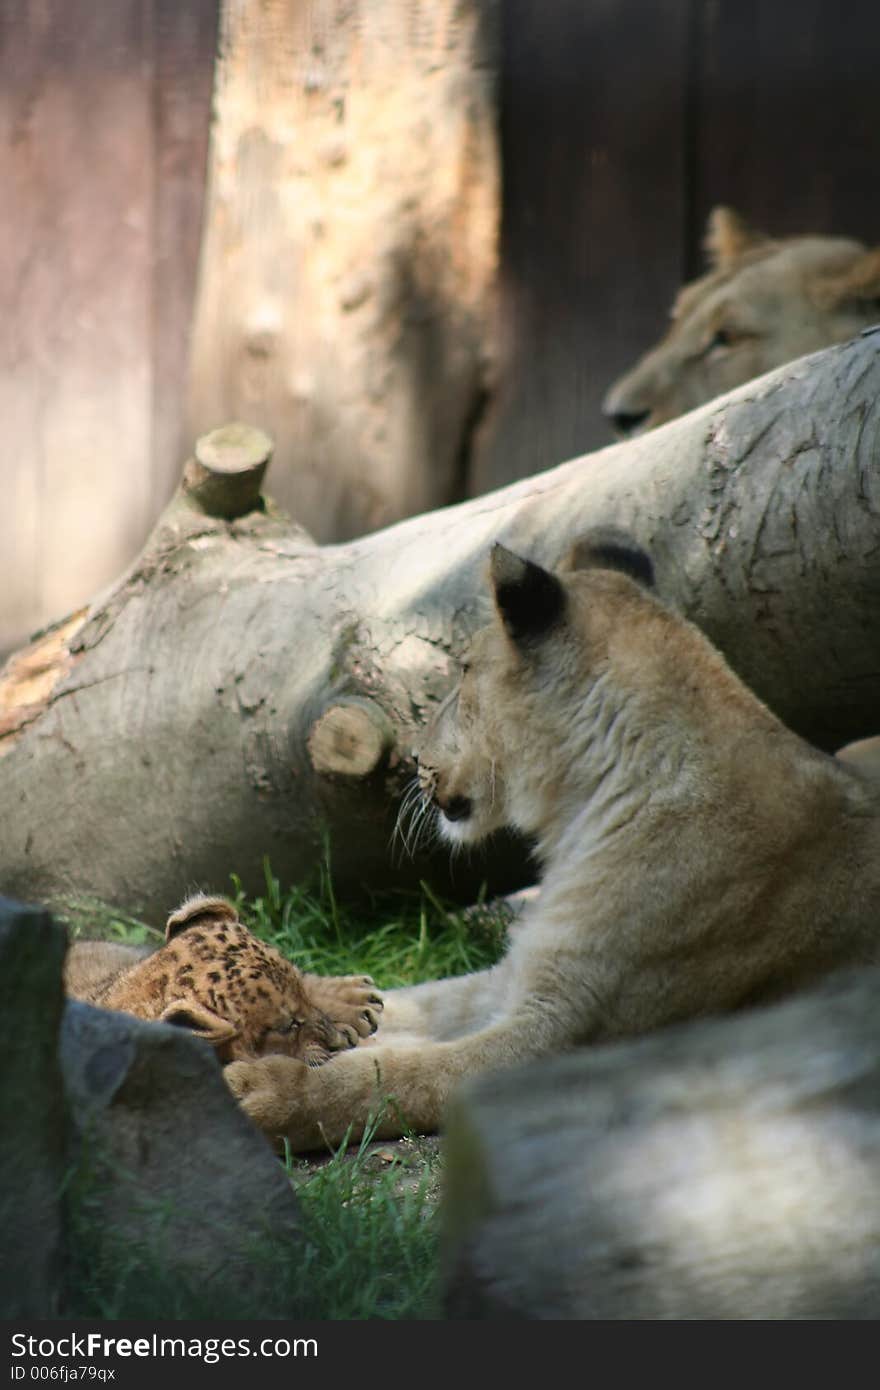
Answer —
(697, 856)
(763, 303)
(218, 980)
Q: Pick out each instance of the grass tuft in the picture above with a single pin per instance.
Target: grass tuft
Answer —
(399, 938)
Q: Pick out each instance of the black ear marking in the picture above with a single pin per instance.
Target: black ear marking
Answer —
(609, 548)
(199, 909)
(529, 599)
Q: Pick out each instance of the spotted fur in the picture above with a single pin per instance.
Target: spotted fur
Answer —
(215, 978)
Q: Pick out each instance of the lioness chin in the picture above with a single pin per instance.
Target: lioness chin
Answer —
(697, 856)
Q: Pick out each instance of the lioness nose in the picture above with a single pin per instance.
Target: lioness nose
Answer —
(626, 422)
(457, 808)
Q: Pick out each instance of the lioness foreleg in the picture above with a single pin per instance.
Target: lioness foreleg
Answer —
(314, 1107)
(441, 1010)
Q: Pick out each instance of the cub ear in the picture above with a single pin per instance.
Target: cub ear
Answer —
(728, 237)
(199, 909)
(608, 548)
(529, 599)
(196, 1018)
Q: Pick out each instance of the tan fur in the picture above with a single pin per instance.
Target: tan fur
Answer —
(697, 856)
(763, 303)
(218, 980)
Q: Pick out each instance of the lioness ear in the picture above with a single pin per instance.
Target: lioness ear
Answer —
(728, 236)
(196, 1018)
(529, 599)
(199, 909)
(859, 284)
(608, 548)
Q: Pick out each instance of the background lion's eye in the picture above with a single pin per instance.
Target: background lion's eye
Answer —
(722, 338)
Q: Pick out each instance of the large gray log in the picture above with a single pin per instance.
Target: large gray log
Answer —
(217, 704)
(722, 1169)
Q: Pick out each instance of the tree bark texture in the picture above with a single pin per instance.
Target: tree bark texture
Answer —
(726, 1169)
(242, 691)
(349, 249)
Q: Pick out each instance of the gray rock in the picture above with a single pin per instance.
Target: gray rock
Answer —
(32, 1126)
(174, 1180)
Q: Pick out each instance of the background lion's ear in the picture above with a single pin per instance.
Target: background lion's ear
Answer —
(199, 909)
(196, 1018)
(858, 285)
(529, 599)
(609, 548)
(728, 237)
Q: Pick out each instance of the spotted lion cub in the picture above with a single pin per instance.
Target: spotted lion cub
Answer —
(221, 982)
(697, 856)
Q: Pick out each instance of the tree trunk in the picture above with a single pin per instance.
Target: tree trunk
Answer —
(349, 252)
(241, 688)
(724, 1169)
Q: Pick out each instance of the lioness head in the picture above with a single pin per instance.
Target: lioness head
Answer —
(519, 740)
(763, 302)
(219, 981)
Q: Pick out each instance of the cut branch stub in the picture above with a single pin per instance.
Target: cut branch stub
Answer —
(352, 738)
(226, 475)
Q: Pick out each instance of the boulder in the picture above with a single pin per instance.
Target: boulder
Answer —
(32, 1111)
(172, 1181)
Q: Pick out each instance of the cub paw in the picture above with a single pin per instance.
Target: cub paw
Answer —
(352, 1002)
(268, 1089)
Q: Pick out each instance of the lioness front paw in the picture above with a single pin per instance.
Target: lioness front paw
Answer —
(352, 1002)
(268, 1089)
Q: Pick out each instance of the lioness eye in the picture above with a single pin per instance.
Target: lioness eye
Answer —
(465, 667)
(721, 339)
(293, 1026)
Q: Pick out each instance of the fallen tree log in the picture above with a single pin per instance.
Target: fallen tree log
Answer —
(723, 1169)
(242, 692)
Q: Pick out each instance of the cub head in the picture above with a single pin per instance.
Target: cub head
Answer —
(762, 303)
(529, 727)
(221, 982)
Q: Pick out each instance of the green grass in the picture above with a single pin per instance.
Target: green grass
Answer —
(399, 939)
(369, 1216)
(371, 1230)
(367, 1250)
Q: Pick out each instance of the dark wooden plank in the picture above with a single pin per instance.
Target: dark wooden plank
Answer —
(592, 109)
(787, 126)
(185, 40)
